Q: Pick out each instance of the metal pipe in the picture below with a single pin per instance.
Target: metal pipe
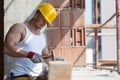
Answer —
(118, 33)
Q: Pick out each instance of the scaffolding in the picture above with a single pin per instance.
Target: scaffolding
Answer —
(97, 26)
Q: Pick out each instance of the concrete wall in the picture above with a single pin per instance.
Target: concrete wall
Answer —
(108, 43)
(17, 11)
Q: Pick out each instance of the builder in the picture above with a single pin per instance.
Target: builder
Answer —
(27, 44)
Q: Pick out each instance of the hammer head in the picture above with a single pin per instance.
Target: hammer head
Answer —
(52, 55)
(59, 58)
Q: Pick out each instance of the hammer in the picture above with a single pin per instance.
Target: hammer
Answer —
(50, 56)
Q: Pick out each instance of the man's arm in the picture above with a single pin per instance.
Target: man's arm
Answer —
(45, 53)
(14, 35)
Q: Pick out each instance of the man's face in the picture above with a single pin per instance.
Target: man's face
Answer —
(40, 21)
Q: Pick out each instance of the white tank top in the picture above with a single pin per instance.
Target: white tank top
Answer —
(31, 42)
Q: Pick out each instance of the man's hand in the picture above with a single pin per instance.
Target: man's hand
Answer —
(35, 57)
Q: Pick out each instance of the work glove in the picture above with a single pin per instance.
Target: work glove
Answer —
(44, 67)
(44, 73)
(35, 57)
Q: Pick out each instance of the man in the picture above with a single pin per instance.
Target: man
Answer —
(27, 44)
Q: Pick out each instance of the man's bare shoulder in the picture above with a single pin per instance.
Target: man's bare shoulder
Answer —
(17, 27)
(15, 32)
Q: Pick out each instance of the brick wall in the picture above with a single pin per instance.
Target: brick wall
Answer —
(1, 39)
(69, 28)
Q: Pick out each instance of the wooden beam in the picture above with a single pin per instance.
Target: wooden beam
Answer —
(95, 20)
(102, 34)
(112, 62)
(92, 26)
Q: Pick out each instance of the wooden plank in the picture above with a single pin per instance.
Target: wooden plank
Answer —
(60, 70)
(98, 26)
(102, 34)
(108, 61)
(105, 64)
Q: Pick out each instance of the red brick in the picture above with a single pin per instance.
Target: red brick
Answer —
(53, 37)
(72, 18)
(60, 3)
(78, 4)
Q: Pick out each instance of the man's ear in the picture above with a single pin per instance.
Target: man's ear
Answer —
(35, 16)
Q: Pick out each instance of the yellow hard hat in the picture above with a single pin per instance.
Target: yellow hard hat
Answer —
(48, 11)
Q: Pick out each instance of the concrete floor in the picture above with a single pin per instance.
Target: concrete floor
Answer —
(88, 73)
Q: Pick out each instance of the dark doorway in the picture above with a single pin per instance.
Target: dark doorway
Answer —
(1, 39)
